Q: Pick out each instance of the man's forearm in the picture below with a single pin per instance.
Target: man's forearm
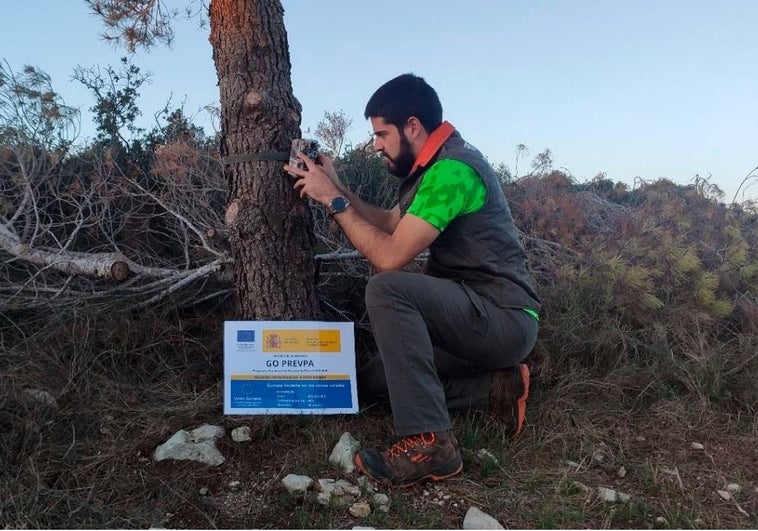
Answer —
(384, 220)
(367, 237)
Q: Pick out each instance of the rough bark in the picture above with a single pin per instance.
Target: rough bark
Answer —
(270, 228)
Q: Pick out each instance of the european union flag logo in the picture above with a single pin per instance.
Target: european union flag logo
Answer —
(245, 336)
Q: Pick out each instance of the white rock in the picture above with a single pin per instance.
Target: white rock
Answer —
(360, 509)
(344, 451)
(203, 491)
(297, 484)
(339, 487)
(640, 438)
(380, 502)
(661, 520)
(234, 484)
(190, 446)
(324, 498)
(621, 472)
(725, 494)
(485, 456)
(573, 464)
(476, 519)
(611, 495)
(599, 456)
(207, 432)
(734, 488)
(242, 434)
(697, 446)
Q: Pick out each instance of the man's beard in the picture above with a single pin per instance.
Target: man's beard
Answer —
(401, 165)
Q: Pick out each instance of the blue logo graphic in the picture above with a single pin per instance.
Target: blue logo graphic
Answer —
(245, 336)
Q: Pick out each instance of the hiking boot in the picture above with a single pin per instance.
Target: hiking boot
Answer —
(508, 393)
(433, 455)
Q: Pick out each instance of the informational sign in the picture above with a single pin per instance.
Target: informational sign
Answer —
(289, 367)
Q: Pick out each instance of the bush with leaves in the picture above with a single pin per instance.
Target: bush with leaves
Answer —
(664, 277)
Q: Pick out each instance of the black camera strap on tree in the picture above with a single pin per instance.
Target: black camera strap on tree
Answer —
(254, 157)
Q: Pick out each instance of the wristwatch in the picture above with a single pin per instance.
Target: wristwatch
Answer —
(337, 205)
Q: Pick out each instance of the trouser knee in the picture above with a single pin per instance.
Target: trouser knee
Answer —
(381, 286)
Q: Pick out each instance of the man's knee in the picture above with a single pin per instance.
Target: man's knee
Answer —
(381, 285)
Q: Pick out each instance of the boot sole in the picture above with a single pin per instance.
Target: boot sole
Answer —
(521, 402)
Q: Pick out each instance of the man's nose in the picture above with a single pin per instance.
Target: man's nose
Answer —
(377, 144)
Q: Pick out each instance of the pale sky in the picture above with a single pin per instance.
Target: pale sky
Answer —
(646, 88)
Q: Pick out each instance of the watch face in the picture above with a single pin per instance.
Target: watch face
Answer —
(338, 204)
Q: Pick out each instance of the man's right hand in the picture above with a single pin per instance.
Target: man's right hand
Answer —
(328, 167)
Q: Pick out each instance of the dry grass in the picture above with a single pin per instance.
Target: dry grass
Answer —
(123, 387)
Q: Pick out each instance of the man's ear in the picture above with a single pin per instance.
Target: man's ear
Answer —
(414, 129)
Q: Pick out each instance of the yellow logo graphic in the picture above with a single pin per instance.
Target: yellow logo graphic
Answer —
(325, 341)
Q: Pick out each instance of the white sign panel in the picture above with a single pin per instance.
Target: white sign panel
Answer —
(289, 367)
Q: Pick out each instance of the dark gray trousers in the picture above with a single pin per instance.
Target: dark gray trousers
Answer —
(439, 342)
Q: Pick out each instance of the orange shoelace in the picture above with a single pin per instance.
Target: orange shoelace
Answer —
(412, 441)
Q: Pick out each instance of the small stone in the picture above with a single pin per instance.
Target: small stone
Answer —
(621, 472)
(360, 509)
(661, 520)
(698, 521)
(426, 493)
(380, 502)
(611, 496)
(725, 494)
(324, 498)
(573, 464)
(242, 434)
(234, 483)
(476, 519)
(697, 446)
(206, 432)
(640, 438)
(485, 456)
(734, 488)
(339, 487)
(197, 445)
(599, 456)
(203, 491)
(297, 484)
(344, 452)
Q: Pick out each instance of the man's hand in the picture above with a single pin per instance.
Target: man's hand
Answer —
(319, 182)
(326, 164)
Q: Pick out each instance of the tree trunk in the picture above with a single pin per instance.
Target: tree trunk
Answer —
(270, 228)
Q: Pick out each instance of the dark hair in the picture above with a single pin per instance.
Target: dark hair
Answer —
(405, 96)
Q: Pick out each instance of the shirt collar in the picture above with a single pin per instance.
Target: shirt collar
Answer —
(432, 145)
